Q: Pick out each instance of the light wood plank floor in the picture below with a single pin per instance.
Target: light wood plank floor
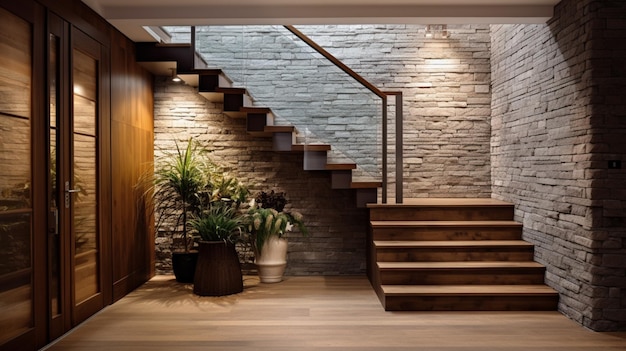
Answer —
(315, 313)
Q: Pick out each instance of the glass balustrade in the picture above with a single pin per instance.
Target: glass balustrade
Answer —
(303, 89)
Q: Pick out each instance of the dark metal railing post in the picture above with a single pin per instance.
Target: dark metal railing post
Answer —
(399, 150)
(384, 151)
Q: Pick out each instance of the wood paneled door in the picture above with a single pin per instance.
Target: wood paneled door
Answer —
(63, 250)
(79, 278)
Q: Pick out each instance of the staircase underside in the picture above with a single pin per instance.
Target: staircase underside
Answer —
(216, 87)
(453, 255)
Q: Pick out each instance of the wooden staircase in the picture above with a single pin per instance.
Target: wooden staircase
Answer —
(453, 254)
(215, 86)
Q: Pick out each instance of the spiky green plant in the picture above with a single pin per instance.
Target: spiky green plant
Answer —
(180, 180)
(221, 222)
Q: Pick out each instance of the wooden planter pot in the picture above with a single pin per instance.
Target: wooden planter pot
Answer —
(218, 271)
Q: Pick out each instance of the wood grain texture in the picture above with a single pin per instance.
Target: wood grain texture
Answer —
(315, 313)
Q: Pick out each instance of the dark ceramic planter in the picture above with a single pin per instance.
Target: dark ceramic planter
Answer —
(184, 266)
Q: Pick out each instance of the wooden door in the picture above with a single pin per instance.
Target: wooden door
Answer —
(78, 280)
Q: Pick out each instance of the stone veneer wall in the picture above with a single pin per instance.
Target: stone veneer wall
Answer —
(445, 82)
(447, 110)
(336, 242)
(558, 117)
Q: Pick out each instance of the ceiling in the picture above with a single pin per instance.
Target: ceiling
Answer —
(129, 16)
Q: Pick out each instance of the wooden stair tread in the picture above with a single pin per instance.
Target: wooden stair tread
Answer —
(468, 290)
(401, 244)
(340, 166)
(366, 185)
(310, 147)
(279, 129)
(405, 224)
(443, 202)
(457, 265)
(253, 109)
(230, 90)
(208, 71)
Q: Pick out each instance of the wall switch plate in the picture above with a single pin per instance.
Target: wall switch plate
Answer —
(615, 164)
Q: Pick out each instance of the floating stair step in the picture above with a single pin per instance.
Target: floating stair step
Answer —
(255, 110)
(310, 147)
(443, 209)
(194, 78)
(341, 175)
(366, 185)
(461, 273)
(446, 230)
(469, 297)
(268, 131)
(182, 55)
(432, 251)
(366, 192)
(280, 129)
(231, 91)
(340, 166)
(234, 100)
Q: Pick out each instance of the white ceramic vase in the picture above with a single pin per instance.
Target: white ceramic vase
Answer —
(272, 260)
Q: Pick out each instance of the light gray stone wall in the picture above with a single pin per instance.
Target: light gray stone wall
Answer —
(445, 82)
(557, 111)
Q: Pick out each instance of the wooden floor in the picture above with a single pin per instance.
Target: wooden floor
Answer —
(315, 313)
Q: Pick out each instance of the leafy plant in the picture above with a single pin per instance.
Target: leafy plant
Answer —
(265, 222)
(221, 222)
(181, 181)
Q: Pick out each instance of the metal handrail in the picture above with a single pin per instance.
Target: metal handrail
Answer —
(384, 96)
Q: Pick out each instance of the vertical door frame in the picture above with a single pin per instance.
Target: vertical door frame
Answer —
(86, 44)
(60, 28)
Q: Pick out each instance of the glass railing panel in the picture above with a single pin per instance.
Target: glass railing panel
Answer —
(301, 87)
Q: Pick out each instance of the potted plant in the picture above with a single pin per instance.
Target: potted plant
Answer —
(267, 225)
(218, 270)
(179, 185)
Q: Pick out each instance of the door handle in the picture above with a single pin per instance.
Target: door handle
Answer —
(68, 192)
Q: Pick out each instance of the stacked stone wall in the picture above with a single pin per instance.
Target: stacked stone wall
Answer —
(445, 85)
(557, 118)
(336, 242)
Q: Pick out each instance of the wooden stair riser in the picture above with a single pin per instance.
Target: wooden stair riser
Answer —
(471, 303)
(256, 122)
(443, 213)
(451, 254)
(441, 233)
(283, 141)
(341, 179)
(208, 83)
(366, 196)
(315, 160)
(233, 103)
(509, 276)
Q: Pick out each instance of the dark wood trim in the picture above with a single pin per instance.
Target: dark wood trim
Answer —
(24, 9)
(82, 17)
(40, 176)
